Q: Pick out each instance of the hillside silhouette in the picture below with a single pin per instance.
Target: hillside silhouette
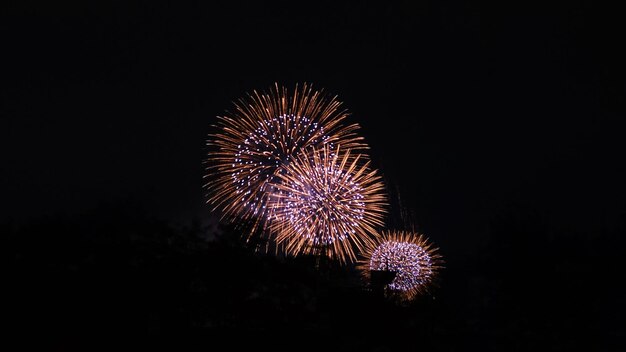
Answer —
(114, 273)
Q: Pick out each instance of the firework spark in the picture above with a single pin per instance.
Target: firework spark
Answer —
(328, 204)
(409, 255)
(266, 131)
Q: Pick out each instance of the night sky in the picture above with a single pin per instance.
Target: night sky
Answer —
(474, 111)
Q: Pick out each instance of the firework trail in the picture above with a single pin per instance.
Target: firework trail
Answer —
(263, 134)
(328, 203)
(414, 260)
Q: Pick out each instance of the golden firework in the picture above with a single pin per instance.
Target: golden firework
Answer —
(328, 203)
(265, 132)
(409, 255)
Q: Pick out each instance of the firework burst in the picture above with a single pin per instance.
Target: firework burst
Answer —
(413, 259)
(265, 132)
(328, 203)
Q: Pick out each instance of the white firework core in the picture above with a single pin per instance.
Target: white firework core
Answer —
(325, 205)
(411, 262)
(274, 143)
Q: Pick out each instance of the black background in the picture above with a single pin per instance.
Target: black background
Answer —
(498, 128)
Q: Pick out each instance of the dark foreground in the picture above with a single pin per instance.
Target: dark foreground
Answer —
(113, 279)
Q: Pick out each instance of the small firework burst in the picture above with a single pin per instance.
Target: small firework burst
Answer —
(410, 256)
(328, 203)
(264, 133)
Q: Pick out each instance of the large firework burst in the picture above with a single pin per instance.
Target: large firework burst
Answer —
(409, 255)
(328, 203)
(265, 132)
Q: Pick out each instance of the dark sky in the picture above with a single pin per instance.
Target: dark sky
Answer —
(468, 106)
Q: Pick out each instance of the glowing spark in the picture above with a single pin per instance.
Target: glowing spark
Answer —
(409, 255)
(267, 131)
(328, 203)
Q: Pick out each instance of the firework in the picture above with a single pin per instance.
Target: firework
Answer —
(327, 203)
(264, 133)
(409, 255)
